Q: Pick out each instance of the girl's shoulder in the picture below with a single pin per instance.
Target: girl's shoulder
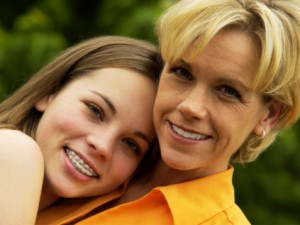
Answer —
(15, 143)
(21, 177)
(14, 137)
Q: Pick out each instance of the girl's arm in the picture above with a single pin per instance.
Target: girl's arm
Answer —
(21, 177)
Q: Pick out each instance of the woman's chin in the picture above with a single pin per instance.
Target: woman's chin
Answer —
(176, 162)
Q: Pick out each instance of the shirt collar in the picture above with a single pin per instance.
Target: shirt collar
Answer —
(199, 199)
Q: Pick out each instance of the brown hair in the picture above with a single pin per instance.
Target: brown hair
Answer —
(96, 53)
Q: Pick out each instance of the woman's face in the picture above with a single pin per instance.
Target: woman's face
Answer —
(204, 110)
(95, 131)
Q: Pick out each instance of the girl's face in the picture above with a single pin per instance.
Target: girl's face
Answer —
(95, 131)
(205, 109)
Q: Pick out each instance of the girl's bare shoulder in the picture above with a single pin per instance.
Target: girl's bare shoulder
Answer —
(16, 143)
(21, 177)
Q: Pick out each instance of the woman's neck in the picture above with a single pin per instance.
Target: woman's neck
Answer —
(159, 174)
(164, 175)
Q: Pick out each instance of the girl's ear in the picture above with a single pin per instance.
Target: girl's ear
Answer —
(42, 104)
(270, 119)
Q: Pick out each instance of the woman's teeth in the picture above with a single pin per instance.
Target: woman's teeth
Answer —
(187, 134)
(79, 164)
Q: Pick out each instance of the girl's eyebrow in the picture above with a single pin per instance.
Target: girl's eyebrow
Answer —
(114, 111)
(142, 136)
(107, 100)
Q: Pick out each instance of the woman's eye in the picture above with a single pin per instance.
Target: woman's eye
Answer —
(96, 111)
(181, 72)
(133, 145)
(230, 92)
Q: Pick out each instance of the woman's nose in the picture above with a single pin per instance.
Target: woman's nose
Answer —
(101, 144)
(194, 104)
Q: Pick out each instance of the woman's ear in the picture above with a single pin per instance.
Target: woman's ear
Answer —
(43, 103)
(270, 119)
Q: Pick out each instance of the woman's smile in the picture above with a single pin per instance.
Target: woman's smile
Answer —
(184, 136)
(187, 134)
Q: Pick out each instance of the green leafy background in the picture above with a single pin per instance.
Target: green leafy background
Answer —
(33, 32)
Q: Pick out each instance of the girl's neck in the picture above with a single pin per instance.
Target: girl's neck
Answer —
(48, 197)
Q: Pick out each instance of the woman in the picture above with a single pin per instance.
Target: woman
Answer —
(89, 112)
(230, 84)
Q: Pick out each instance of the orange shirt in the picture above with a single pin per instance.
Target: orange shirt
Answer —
(67, 210)
(208, 200)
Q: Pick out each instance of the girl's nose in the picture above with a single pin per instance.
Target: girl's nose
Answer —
(102, 145)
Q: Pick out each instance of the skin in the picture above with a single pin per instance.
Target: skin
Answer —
(21, 166)
(107, 136)
(214, 110)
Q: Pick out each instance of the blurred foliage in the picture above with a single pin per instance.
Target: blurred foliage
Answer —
(268, 190)
(34, 31)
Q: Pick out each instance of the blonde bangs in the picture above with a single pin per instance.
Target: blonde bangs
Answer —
(176, 35)
(188, 23)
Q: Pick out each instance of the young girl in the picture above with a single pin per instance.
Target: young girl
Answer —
(83, 123)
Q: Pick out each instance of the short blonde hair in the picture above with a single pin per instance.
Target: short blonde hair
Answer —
(275, 27)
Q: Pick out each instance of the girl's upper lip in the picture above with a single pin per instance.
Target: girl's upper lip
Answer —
(84, 159)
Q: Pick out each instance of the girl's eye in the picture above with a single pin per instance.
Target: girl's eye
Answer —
(98, 112)
(133, 145)
(230, 92)
(181, 72)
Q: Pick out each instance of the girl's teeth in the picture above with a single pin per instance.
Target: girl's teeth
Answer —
(188, 135)
(79, 164)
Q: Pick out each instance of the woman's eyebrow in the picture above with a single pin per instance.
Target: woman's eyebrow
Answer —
(108, 102)
(185, 64)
